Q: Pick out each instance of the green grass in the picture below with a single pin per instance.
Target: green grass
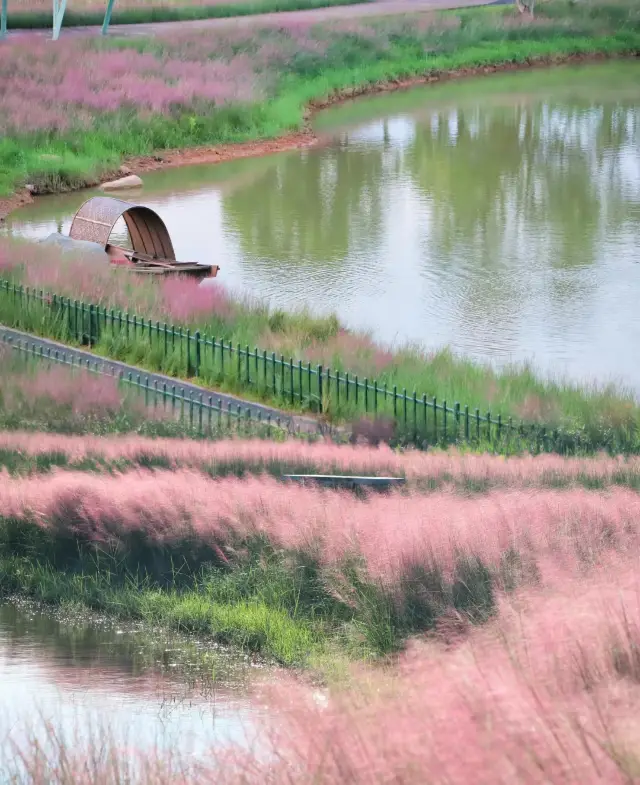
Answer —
(282, 604)
(251, 625)
(32, 20)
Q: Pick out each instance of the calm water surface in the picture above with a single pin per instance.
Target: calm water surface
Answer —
(499, 215)
(84, 677)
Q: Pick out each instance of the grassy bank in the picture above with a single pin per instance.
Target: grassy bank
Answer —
(253, 84)
(587, 418)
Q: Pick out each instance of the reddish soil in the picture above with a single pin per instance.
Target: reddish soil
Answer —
(221, 153)
(10, 203)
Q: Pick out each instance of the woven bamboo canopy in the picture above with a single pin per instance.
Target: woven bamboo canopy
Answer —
(95, 220)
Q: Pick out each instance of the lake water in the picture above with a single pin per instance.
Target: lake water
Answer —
(500, 216)
(87, 677)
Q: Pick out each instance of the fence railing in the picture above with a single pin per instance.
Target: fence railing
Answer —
(179, 352)
(204, 415)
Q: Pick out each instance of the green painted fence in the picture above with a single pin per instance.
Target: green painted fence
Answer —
(205, 415)
(419, 419)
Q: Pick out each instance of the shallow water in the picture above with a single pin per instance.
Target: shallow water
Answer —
(500, 216)
(86, 678)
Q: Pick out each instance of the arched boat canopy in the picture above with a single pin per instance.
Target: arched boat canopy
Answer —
(95, 220)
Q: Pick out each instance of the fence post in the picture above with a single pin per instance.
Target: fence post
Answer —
(457, 415)
(197, 340)
(319, 372)
(415, 416)
(434, 403)
(291, 395)
(444, 420)
(90, 325)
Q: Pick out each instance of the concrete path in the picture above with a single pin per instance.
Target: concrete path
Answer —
(185, 390)
(312, 16)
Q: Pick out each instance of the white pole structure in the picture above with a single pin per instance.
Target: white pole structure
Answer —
(3, 20)
(107, 17)
(59, 7)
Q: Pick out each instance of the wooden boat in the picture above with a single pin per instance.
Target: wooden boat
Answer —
(151, 249)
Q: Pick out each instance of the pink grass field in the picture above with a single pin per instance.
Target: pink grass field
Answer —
(566, 531)
(421, 469)
(41, 87)
(547, 693)
(58, 394)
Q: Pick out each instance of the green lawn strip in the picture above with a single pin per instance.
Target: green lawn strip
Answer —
(33, 20)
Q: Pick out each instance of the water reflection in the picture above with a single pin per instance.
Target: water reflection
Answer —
(83, 678)
(500, 216)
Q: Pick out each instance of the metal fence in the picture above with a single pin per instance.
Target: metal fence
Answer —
(202, 415)
(179, 352)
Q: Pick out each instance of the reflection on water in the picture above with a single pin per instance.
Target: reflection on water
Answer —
(500, 216)
(82, 678)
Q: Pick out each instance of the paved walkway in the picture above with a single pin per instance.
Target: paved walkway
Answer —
(313, 16)
(101, 365)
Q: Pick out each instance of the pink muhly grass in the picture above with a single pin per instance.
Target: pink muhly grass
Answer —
(186, 300)
(422, 469)
(83, 392)
(43, 88)
(566, 531)
(353, 351)
(542, 695)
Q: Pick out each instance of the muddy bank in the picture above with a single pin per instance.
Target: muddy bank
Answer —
(10, 203)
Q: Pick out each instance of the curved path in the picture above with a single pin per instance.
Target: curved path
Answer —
(313, 16)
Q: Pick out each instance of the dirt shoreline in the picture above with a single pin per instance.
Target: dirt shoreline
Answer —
(306, 137)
